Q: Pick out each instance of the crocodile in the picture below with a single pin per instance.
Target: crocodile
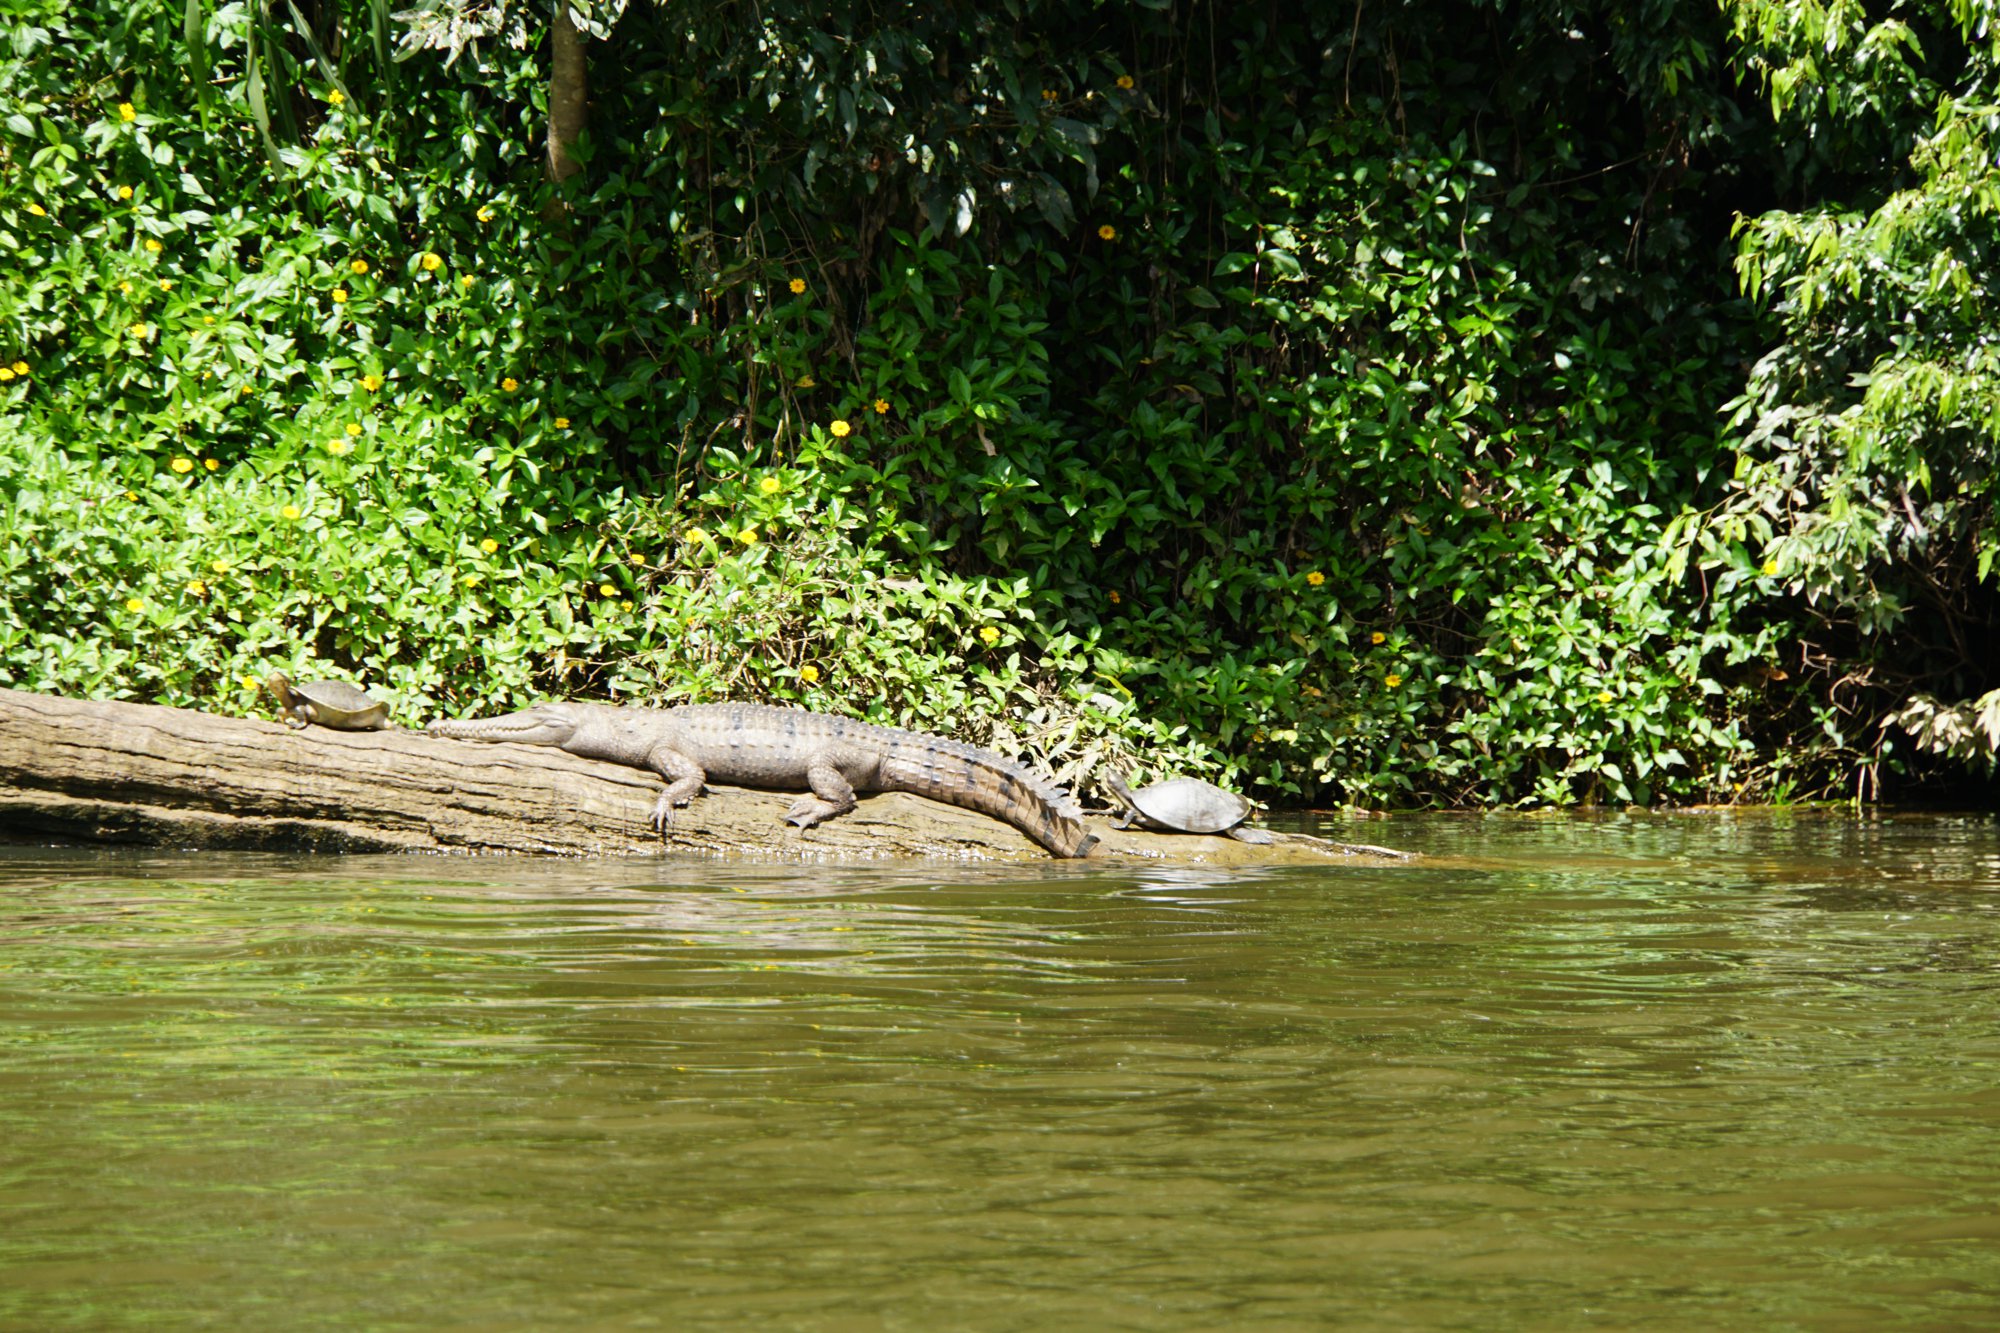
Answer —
(759, 745)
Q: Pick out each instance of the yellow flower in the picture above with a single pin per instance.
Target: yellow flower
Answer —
(38, 210)
(770, 485)
(840, 430)
(334, 98)
(357, 266)
(166, 284)
(881, 407)
(5, 374)
(1125, 82)
(510, 384)
(1107, 232)
(371, 382)
(132, 495)
(127, 112)
(798, 286)
(138, 330)
(484, 214)
(340, 296)
(489, 546)
(432, 263)
(1392, 680)
(806, 382)
(562, 423)
(1770, 567)
(636, 558)
(135, 604)
(197, 588)
(1048, 94)
(125, 287)
(353, 428)
(250, 683)
(1605, 696)
(337, 446)
(152, 246)
(124, 192)
(624, 606)
(1315, 578)
(1378, 637)
(695, 535)
(182, 465)
(210, 464)
(467, 280)
(748, 536)
(1115, 598)
(246, 389)
(289, 511)
(208, 319)
(809, 674)
(606, 590)
(988, 635)
(219, 566)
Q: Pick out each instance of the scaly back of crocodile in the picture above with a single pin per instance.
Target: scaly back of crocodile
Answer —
(938, 767)
(959, 774)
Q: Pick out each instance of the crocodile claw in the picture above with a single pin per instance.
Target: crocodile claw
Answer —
(810, 810)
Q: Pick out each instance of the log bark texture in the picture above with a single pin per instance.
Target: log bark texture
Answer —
(86, 771)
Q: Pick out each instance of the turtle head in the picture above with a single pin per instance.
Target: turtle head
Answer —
(544, 724)
(291, 708)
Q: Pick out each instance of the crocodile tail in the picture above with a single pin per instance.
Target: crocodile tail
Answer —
(976, 779)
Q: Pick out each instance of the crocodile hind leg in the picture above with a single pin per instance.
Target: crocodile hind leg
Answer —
(832, 794)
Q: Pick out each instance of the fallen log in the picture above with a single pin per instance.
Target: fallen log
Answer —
(75, 770)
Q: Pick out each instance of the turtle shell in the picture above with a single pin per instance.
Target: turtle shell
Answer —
(1190, 805)
(335, 703)
(331, 703)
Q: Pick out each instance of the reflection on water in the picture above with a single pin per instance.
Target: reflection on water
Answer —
(1628, 1072)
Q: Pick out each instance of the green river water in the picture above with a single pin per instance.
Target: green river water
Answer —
(1638, 1072)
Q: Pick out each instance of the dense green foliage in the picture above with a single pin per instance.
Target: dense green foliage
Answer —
(1332, 400)
(1872, 431)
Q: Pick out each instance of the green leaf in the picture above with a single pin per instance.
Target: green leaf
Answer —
(194, 32)
(326, 66)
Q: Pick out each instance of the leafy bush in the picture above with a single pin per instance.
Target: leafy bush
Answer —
(1327, 405)
(1870, 432)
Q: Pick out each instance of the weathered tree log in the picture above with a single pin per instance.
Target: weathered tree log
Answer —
(81, 771)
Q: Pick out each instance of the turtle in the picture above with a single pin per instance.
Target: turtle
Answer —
(1185, 805)
(331, 703)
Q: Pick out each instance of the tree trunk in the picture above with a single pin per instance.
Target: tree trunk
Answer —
(569, 95)
(80, 771)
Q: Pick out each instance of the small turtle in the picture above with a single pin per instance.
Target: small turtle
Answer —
(331, 703)
(1185, 805)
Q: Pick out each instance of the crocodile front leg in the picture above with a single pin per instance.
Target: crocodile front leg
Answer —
(832, 794)
(684, 778)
